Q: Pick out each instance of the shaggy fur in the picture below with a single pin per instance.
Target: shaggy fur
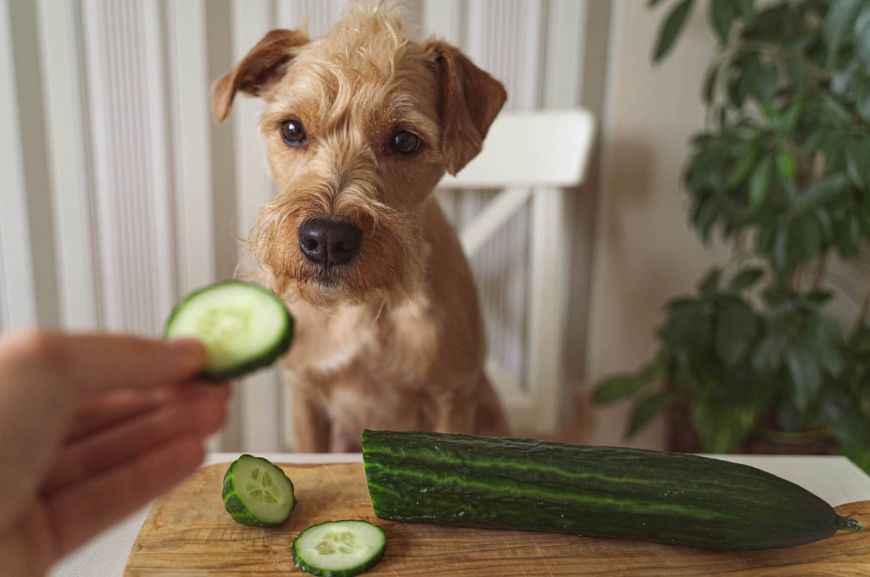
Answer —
(393, 339)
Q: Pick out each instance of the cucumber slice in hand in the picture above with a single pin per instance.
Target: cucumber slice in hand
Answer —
(257, 493)
(244, 327)
(339, 548)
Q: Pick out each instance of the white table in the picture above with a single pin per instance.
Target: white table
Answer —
(835, 479)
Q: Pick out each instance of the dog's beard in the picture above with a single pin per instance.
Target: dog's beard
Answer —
(388, 266)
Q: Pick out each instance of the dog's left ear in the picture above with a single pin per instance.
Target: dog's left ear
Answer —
(470, 99)
(262, 66)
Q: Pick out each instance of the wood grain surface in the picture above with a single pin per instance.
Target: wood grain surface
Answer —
(187, 534)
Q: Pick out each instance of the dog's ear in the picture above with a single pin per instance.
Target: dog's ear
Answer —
(470, 99)
(263, 65)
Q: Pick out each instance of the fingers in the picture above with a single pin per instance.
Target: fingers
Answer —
(83, 510)
(109, 409)
(100, 362)
(199, 412)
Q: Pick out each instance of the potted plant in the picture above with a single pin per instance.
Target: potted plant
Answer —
(754, 357)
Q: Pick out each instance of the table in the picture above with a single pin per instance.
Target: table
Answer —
(835, 479)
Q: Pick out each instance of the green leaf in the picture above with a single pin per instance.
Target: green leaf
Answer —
(858, 162)
(819, 298)
(806, 238)
(745, 279)
(617, 387)
(767, 81)
(759, 183)
(806, 375)
(736, 329)
(751, 152)
(722, 15)
(792, 116)
(710, 83)
(837, 21)
(862, 35)
(781, 259)
(820, 193)
(646, 409)
(671, 29)
(722, 426)
(747, 8)
(706, 218)
(786, 166)
(652, 3)
(768, 355)
(710, 283)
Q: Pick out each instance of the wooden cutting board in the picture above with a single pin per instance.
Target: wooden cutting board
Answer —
(188, 534)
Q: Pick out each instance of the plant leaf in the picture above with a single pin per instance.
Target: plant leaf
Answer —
(858, 162)
(722, 426)
(747, 8)
(768, 355)
(862, 34)
(806, 375)
(744, 166)
(840, 16)
(736, 329)
(722, 15)
(671, 29)
(646, 409)
(787, 166)
(759, 183)
(710, 83)
(617, 387)
(745, 279)
(767, 81)
(821, 193)
(710, 283)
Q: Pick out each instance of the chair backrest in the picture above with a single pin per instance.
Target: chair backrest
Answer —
(534, 158)
(535, 149)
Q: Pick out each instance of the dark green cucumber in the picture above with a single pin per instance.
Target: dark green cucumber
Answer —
(523, 484)
(244, 327)
(256, 492)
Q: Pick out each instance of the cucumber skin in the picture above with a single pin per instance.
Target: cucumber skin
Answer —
(260, 362)
(523, 484)
(303, 566)
(236, 508)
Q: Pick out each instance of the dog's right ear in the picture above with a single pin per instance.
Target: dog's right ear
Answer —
(262, 66)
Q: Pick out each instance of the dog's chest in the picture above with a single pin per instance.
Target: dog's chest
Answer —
(363, 347)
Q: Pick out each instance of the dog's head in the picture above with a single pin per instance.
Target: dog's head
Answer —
(360, 125)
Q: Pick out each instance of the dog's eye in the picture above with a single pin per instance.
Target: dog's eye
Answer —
(293, 133)
(404, 142)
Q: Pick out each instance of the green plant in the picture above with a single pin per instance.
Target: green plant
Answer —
(782, 174)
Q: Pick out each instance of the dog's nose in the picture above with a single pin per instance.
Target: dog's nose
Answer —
(329, 242)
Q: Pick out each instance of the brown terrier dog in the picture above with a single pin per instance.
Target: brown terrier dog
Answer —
(360, 126)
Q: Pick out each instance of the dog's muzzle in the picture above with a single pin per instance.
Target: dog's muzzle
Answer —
(327, 242)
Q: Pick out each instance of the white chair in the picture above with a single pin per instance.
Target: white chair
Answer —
(532, 157)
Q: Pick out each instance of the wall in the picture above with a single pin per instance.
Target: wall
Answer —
(644, 250)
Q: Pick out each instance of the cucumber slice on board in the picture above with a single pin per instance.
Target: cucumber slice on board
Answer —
(257, 492)
(339, 548)
(244, 327)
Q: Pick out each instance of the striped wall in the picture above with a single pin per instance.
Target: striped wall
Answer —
(121, 193)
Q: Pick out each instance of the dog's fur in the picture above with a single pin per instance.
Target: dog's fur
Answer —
(394, 339)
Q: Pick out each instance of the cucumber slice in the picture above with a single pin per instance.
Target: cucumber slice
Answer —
(257, 493)
(244, 326)
(339, 548)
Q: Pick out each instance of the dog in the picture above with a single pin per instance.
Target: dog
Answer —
(360, 125)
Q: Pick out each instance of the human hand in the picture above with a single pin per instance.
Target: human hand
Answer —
(93, 427)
